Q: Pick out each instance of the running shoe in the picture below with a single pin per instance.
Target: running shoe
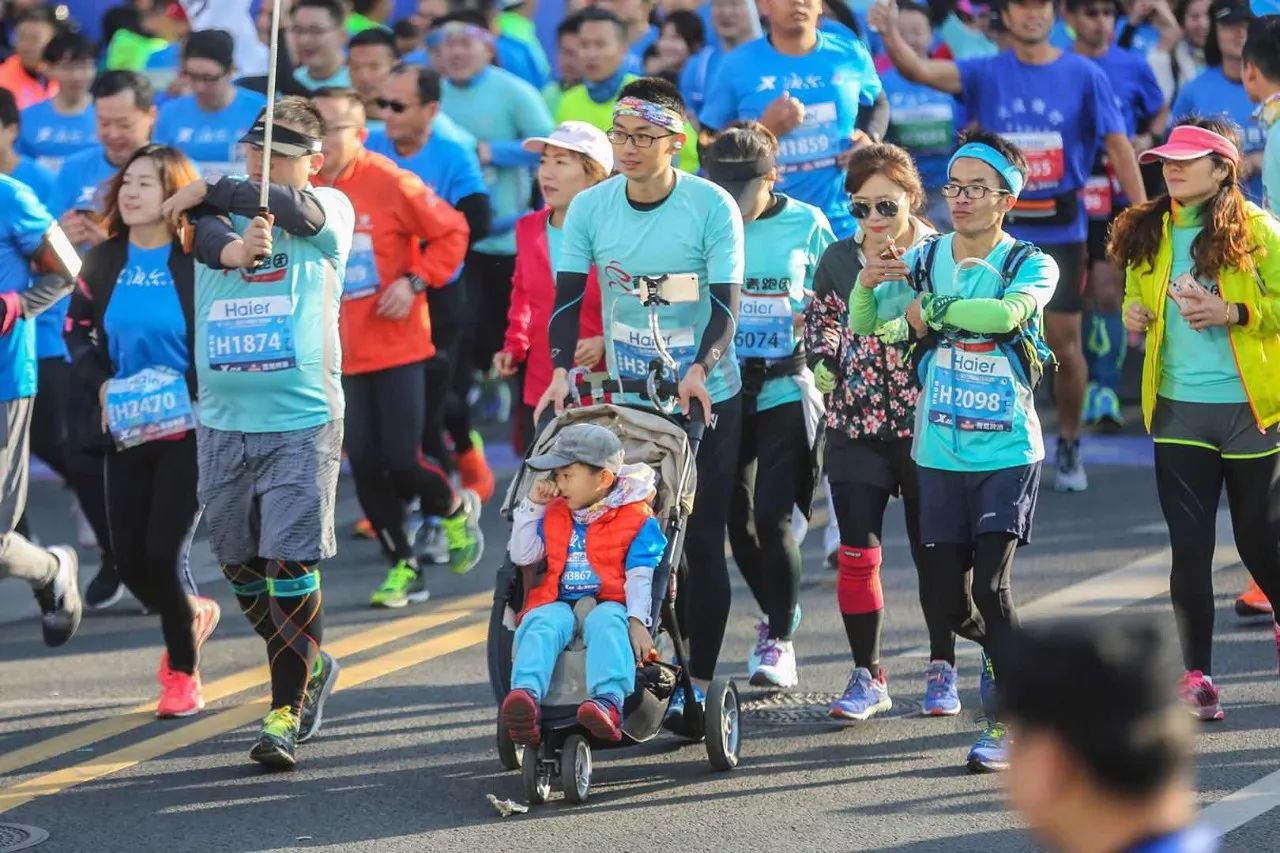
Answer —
(941, 698)
(987, 688)
(462, 532)
(363, 529)
(474, 469)
(324, 675)
(522, 716)
(105, 589)
(1253, 604)
(674, 719)
(431, 547)
(179, 694)
(601, 718)
(1069, 469)
(863, 698)
(59, 599)
(1200, 696)
(1106, 410)
(757, 648)
(990, 753)
(278, 740)
(777, 667)
(404, 584)
(207, 614)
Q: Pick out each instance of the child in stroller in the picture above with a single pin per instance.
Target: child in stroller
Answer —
(593, 523)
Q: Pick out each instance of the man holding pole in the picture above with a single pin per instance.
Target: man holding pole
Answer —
(268, 357)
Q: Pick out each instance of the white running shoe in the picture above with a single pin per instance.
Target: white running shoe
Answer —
(777, 666)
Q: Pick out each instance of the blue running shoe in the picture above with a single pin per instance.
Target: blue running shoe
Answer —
(987, 688)
(863, 698)
(675, 709)
(941, 699)
(990, 754)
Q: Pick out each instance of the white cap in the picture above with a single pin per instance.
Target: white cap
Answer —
(576, 136)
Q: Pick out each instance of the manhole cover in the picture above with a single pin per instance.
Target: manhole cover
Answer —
(808, 708)
(15, 836)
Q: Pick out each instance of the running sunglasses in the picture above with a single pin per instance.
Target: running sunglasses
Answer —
(886, 208)
(396, 107)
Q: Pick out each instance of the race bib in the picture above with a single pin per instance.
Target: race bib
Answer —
(634, 349)
(972, 391)
(362, 271)
(766, 327)
(924, 127)
(253, 335)
(151, 404)
(1097, 197)
(1043, 151)
(814, 144)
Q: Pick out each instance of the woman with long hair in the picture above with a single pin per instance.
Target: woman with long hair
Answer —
(871, 389)
(1202, 282)
(130, 330)
(781, 408)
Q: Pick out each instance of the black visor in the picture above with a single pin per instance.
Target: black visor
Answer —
(736, 177)
(284, 141)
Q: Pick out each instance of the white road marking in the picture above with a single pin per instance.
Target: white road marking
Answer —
(1238, 808)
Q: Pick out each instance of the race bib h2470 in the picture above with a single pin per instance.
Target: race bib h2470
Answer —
(151, 404)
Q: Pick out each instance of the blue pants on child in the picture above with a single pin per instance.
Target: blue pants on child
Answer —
(545, 632)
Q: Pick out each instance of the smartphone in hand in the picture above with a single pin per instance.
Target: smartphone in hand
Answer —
(1182, 286)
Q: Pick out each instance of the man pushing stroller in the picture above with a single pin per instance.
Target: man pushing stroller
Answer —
(593, 522)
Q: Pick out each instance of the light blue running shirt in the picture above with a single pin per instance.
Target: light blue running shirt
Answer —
(23, 224)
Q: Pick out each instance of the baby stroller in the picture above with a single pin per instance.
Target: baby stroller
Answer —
(670, 447)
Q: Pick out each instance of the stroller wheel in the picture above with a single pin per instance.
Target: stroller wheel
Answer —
(509, 754)
(537, 777)
(723, 723)
(575, 769)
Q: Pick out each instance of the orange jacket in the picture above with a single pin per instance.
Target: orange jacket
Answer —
(27, 90)
(609, 539)
(395, 212)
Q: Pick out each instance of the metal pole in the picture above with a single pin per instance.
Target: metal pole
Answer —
(270, 122)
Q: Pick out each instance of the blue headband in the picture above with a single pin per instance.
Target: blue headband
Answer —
(993, 158)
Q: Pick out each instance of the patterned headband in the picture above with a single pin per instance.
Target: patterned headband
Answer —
(655, 114)
(458, 28)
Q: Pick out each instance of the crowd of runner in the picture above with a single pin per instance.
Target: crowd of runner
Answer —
(901, 219)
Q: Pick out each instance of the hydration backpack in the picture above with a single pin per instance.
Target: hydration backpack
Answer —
(1024, 346)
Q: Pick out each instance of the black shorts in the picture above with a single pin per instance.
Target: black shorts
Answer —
(959, 506)
(883, 463)
(1068, 298)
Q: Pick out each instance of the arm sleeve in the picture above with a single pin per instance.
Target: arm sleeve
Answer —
(527, 545)
(44, 292)
(986, 316)
(298, 212)
(475, 208)
(591, 324)
(721, 326)
(88, 360)
(863, 313)
(213, 234)
(443, 228)
(562, 332)
(874, 122)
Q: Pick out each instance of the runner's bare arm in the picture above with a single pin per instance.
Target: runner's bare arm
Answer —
(562, 333)
(1125, 163)
(296, 211)
(939, 74)
(721, 326)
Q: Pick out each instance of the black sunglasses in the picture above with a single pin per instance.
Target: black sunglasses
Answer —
(396, 107)
(884, 207)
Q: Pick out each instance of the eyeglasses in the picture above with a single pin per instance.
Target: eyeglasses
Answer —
(396, 107)
(970, 191)
(886, 208)
(641, 140)
(204, 78)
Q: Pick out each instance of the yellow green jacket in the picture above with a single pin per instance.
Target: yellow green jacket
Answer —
(1256, 344)
(576, 105)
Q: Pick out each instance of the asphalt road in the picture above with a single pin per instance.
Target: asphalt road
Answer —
(406, 755)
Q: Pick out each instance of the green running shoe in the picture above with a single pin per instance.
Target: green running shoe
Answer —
(462, 531)
(404, 584)
(323, 677)
(278, 739)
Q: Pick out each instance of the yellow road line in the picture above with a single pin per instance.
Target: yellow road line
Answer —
(140, 715)
(233, 718)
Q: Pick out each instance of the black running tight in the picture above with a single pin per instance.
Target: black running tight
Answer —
(1189, 481)
(979, 609)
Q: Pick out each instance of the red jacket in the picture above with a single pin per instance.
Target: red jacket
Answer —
(609, 539)
(533, 297)
(27, 90)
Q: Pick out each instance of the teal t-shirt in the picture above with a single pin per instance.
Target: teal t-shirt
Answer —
(499, 108)
(975, 412)
(1197, 367)
(340, 79)
(267, 351)
(697, 229)
(1271, 170)
(782, 251)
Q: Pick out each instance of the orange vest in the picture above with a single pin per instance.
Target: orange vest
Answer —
(608, 540)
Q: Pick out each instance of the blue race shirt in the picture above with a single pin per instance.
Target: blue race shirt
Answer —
(268, 355)
(49, 342)
(697, 230)
(143, 321)
(833, 81)
(1138, 93)
(82, 183)
(697, 75)
(1057, 114)
(49, 136)
(23, 224)
(923, 121)
(1146, 36)
(449, 168)
(1211, 94)
(211, 139)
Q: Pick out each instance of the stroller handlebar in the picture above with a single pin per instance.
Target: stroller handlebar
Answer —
(661, 393)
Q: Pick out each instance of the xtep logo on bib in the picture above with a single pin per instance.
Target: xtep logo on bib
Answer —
(271, 270)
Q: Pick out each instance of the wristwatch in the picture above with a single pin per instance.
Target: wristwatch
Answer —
(416, 282)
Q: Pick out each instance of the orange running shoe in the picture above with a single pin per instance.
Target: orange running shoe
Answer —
(1253, 604)
(474, 470)
(364, 530)
(207, 613)
(179, 694)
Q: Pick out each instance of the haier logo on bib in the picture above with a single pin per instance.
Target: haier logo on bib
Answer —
(635, 348)
(242, 309)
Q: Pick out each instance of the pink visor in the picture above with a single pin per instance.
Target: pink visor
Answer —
(1188, 142)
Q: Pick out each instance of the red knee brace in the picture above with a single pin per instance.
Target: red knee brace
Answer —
(858, 582)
